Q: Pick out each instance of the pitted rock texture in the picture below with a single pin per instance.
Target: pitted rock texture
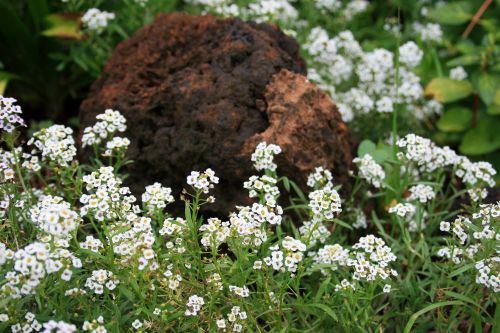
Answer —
(193, 90)
(305, 123)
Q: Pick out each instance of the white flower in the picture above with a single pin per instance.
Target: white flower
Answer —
(324, 204)
(320, 178)
(370, 170)
(10, 114)
(194, 305)
(444, 226)
(203, 181)
(422, 193)
(387, 288)
(410, 54)
(403, 209)
(96, 20)
(56, 144)
(264, 155)
(458, 73)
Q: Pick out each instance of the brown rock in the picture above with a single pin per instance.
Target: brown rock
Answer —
(305, 123)
(192, 90)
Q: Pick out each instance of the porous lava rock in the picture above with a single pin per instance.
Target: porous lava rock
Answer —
(195, 92)
(305, 123)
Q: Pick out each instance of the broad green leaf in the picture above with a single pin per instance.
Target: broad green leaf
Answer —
(483, 139)
(61, 25)
(494, 108)
(445, 90)
(468, 59)
(455, 120)
(487, 86)
(454, 13)
(366, 147)
(466, 47)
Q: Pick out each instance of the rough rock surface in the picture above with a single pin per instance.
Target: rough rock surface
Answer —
(305, 123)
(193, 90)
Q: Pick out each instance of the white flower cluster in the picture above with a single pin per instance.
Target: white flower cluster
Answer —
(476, 173)
(324, 204)
(348, 11)
(92, 244)
(203, 181)
(263, 186)
(174, 228)
(240, 291)
(403, 209)
(288, 257)
(157, 197)
(194, 305)
(313, 231)
(116, 145)
(214, 233)
(476, 240)
(30, 325)
(109, 123)
(429, 32)
(96, 20)
(94, 326)
(332, 255)
(370, 170)
(56, 144)
(371, 259)
(108, 200)
(32, 263)
(220, 7)
(10, 114)
(458, 73)
(263, 156)
(320, 178)
(214, 281)
(272, 10)
(367, 78)
(53, 326)
(477, 194)
(235, 318)
(249, 224)
(54, 216)
(174, 280)
(422, 193)
(101, 279)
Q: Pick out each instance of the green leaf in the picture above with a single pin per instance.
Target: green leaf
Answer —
(456, 119)
(322, 307)
(366, 147)
(483, 139)
(445, 90)
(431, 307)
(465, 60)
(494, 108)
(454, 13)
(63, 25)
(5, 77)
(487, 86)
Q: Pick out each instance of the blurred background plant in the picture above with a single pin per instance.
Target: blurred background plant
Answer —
(446, 55)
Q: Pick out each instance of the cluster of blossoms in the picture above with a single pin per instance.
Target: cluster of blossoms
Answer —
(10, 114)
(313, 231)
(263, 156)
(428, 32)
(173, 280)
(56, 144)
(422, 193)
(101, 279)
(31, 324)
(194, 305)
(369, 258)
(403, 209)
(54, 216)
(236, 318)
(475, 240)
(249, 224)
(116, 145)
(214, 233)
(424, 157)
(31, 264)
(324, 204)
(94, 326)
(347, 10)
(108, 124)
(458, 73)
(263, 186)
(320, 178)
(174, 229)
(96, 20)
(288, 257)
(272, 10)
(370, 170)
(203, 181)
(53, 326)
(340, 60)
(220, 7)
(240, 291)
(92, 244)
(108, 200)
(156, 197)
(215, 281)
